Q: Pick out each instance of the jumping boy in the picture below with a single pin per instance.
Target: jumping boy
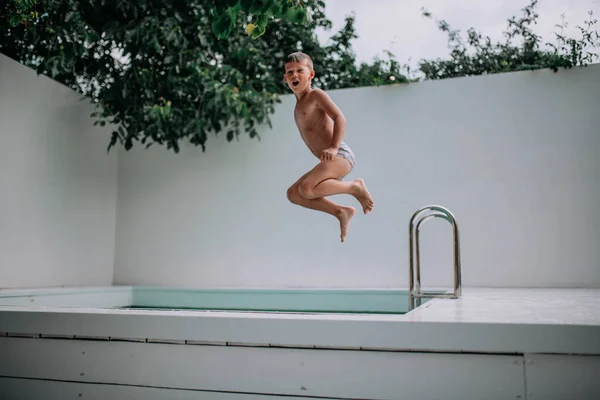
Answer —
(322, 125)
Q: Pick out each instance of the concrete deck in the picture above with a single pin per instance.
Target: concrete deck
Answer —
(523, 306)
(508, 321)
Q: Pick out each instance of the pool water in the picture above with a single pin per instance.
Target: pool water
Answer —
(273, 300)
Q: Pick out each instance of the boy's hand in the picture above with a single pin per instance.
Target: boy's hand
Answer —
(329, 154)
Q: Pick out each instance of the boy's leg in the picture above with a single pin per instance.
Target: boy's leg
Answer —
(342, 213)
(323, 181)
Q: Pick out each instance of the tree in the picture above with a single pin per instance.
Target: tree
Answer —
(15, 12)
(166, 71)
(224, 13)
(477, 55)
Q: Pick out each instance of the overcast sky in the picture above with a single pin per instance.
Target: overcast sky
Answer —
(397, 25)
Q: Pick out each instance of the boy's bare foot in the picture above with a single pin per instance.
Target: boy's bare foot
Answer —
(362, 195)
(344, 215)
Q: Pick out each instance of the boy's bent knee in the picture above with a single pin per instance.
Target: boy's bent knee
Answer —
(293, 195)
(305, 189)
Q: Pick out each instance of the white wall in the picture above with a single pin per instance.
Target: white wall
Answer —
(57, 184)
(514, 156)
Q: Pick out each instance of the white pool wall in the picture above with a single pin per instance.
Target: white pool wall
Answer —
(514, 156)
(58, 186)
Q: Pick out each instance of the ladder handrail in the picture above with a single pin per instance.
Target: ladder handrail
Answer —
(414, 254)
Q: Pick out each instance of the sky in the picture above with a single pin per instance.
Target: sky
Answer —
(397, 25)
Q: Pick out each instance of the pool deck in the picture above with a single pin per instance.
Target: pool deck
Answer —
(483, 320)
(525, 306)
(495, 344)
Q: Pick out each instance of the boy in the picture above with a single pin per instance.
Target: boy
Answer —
(321, 125)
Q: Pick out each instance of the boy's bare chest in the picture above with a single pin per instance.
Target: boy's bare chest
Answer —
(309, 116)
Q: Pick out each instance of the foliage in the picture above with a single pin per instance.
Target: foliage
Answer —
(260, 12)
(477, 55)
(166, 71)
(17, 12)
(224, 13)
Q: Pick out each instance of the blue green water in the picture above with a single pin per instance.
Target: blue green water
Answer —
(273, 300)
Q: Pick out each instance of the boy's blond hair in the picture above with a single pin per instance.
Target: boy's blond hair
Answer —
(299, 56)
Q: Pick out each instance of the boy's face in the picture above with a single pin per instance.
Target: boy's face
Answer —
(298, 75)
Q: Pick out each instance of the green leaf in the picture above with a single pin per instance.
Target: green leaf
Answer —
(15, 20)
(296, 14)
(260, 27)
(222, 25)
(260, 6)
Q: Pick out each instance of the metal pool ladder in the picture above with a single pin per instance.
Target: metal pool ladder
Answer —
(414, 268)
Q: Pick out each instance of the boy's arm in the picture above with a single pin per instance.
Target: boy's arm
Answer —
(339, 121)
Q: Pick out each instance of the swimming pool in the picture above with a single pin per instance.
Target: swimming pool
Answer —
(331, 301)
(125, 342)
(490, 343)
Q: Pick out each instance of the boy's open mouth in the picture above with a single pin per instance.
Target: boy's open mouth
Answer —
(295, 83)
